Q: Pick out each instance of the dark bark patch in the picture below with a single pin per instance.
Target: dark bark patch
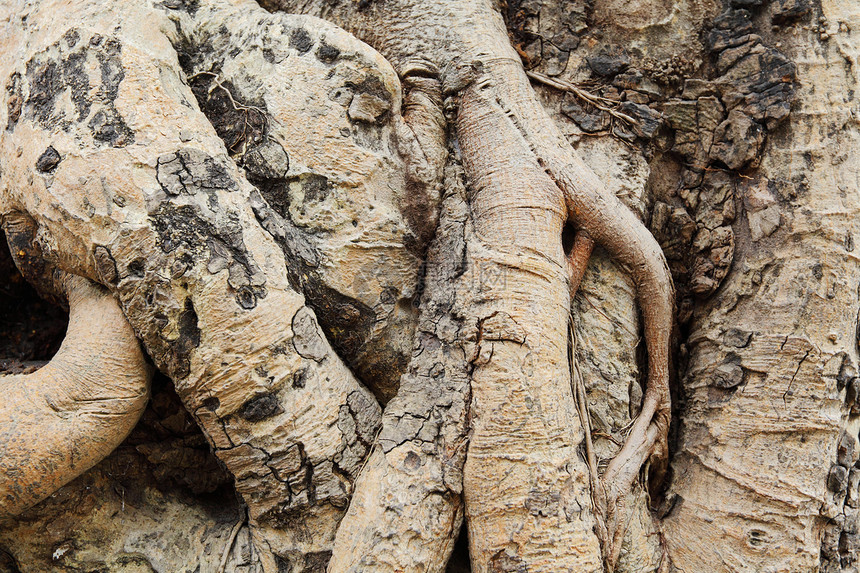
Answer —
(347, 322)
(107, 126)
(246, 297)
(412, 462)
(8, 562)
(543, 503)
(79, 83)
(315, 188)
(371, 101)
(507, 561)
(15, 100)
(609, 61)
(188, 329)
(241, 124)
(179, 358)
(283, 563)
(300, 378)
(786, 11)
(301, 40)
(316, 562)
(71, 37)
(46, 83)
(212, 403)
(737, 338)
(837, 478)
(729, 374)
(61, 68)
(589, 122)
(327, 54)
(260, 407)
(137, 268)
(189, 6)
(845, 450)
(48, 161)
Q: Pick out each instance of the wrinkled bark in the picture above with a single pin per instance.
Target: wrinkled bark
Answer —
(523, 377)
(70, 414)
(767, 438)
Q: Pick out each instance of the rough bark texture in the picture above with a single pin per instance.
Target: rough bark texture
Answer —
(767, 441)
(126, 196)
(274, 159)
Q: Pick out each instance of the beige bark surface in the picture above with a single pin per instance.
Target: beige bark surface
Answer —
(137, 191)
(761, 472)
(310, 169)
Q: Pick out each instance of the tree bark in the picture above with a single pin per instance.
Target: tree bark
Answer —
(397, 301)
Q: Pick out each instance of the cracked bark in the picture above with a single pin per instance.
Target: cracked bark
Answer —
(740, 202)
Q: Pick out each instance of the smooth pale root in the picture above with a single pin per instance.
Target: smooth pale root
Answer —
(525, 430)
(61, 420)
(609, 223)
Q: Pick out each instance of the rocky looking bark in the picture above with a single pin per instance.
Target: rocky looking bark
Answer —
(364, 268)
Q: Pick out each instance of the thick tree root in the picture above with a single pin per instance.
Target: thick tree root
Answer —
(408, 508)
(61, 420)
(609, 223)
(505, 134)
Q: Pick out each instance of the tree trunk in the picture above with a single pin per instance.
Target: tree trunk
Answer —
(365, 246)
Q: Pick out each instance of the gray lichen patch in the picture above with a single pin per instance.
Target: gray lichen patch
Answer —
(545, 33)
(192, 227)
(359, 421)
(186, 234)
(191, 171)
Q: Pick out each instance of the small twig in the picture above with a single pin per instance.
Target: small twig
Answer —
(226, 555)
(373, 445)
(600, 102)
(610, 437)
(216, 83)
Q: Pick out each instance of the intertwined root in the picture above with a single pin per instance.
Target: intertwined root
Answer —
(278, 405)
(59, 421)
(603, 219)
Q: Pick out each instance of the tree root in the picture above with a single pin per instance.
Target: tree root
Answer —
(61, 420)
(606, 221)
